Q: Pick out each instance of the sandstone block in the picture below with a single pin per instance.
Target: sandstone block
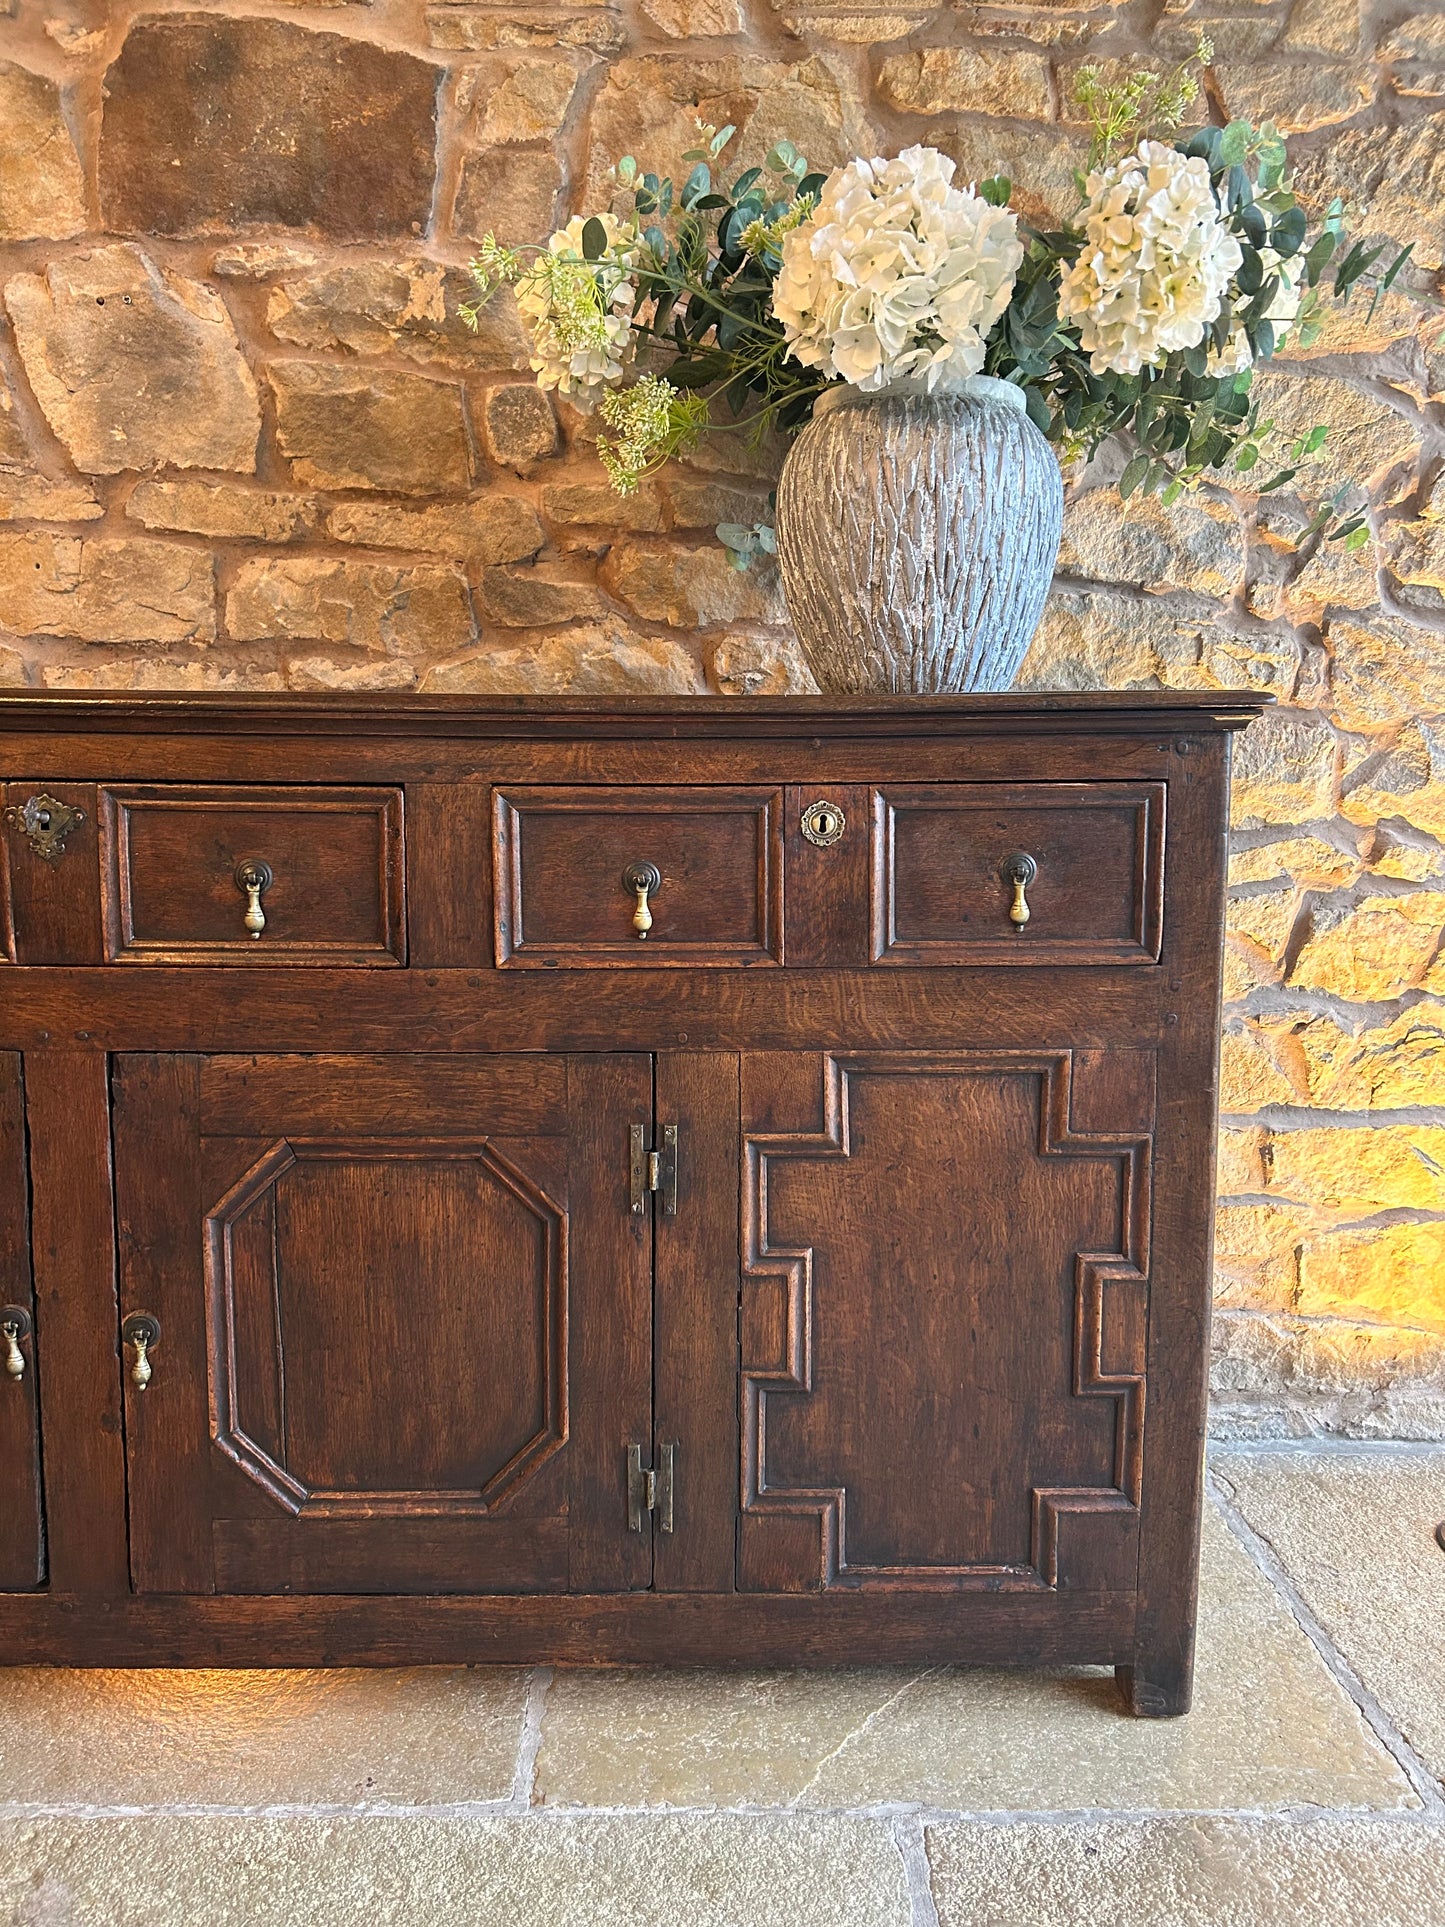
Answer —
(491, 528)
(146, 671)
(42, 190)
(1250, 1078)
(1398, 173)
(14, 449)
(388, 608)
(347, 427)
(1040, 161)
(1323, 27)
(1405, 780)
(1417, 36)
(98, 589)
(134, 367)
(479, 29)
(539, 594)
(597, 503)
(1284, 769)
(1394, 1274)
(695, 19)
(26, 496)
(519, 98)
(221, 508)
(1246, 969)
(1385, 670)
(768, 663)
(649, 107)
(1197, 544)
(1333, 579)
(1266, 917)
(697, 503)
(12, 670)
(1354, 1171)
(1378, 947)
(511, 196)
(967, 80)
(1364, 1066)
(1297, 96)
(212, 124)
(1366, 436)
(690, 588)
(258, 260)
(1308, 860)
(519, 426)
(406, 307)
(321, 672)
(597, 659)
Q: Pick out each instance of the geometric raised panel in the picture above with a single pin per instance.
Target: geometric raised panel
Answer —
(387, 1326)
(943, 1323)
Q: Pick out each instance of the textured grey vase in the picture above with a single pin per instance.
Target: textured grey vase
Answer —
(917, 536)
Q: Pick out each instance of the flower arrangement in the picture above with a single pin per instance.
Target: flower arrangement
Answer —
(1188, 262)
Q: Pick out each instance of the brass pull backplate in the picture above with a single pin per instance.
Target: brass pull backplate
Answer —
(1019, 871)
(253, 879)
(14, 1325)
(643, 880)
(142, 1332)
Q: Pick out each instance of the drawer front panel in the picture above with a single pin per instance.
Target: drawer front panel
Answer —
(944, 863)
(177, 858)
(563, 857)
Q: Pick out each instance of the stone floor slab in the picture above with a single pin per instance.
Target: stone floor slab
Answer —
(1270, 1729)
(1190, 1873)
(1356, 1533)
(391, 1872)
(256, 1739)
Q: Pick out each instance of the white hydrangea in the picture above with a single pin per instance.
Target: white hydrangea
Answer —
(1155, 264)
(578, 313)
(896, 272)
(1236, 355)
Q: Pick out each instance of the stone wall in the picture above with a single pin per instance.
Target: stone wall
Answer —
(246, 443)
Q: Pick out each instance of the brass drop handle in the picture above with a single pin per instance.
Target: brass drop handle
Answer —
(143, 1333)
(14, 1325)
(255, 879)
(644, 880)
(1019, 871)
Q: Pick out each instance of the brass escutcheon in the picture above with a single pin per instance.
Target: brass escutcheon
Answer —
(46, 823)
(823, 823)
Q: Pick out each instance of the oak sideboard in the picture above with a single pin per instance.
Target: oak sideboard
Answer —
(608, 1180)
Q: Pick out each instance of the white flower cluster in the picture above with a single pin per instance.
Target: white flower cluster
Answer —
(1155, 264)
(1236, 355)
(896, 272)
(578, 313)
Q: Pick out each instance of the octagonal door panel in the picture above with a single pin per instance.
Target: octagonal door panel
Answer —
(371, 1276)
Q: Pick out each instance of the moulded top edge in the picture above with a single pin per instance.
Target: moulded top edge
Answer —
(319, 713)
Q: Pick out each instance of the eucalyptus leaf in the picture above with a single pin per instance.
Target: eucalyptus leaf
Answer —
(594, 240)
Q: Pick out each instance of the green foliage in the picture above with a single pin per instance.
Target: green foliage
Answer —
(1123, 111)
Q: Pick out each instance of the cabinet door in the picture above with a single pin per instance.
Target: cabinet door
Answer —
(943, 1319)
(22, 1536)
(404, 1318)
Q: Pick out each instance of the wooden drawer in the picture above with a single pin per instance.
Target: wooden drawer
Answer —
(942, 893)
(561, 856)
(334, 856)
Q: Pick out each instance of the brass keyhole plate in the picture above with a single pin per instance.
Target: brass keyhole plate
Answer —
(823, 823)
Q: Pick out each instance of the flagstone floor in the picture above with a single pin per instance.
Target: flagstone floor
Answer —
(1305, 1789)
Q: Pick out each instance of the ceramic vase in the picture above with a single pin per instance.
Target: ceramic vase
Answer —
(916, 537)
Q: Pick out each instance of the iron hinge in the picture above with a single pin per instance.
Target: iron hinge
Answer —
(654, 1171)
(650, 1488)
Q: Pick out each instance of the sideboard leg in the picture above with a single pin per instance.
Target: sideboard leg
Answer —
(1156, 1693)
